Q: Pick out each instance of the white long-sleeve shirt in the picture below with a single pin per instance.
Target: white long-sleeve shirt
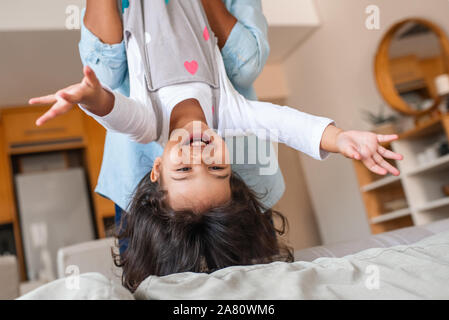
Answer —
(136, 116)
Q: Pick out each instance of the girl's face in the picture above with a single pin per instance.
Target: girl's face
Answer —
(194, 168)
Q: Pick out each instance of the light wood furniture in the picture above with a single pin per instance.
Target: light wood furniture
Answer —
(406, 70)
(410, 73)
(385, 79)
(421, 185)
(73, 131)
(417, 193)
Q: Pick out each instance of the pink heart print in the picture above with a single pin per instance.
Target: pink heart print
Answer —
(191, 67)
(206, 33)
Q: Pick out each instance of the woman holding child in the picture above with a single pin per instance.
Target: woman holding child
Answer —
(191, 213)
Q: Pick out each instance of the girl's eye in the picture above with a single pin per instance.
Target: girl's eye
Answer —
(184, 169)
(216, 168)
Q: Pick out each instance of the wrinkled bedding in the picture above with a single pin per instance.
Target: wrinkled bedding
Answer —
(414, 271)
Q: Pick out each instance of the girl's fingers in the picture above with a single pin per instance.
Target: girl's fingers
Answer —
(50, 114)
(385, 164)
(386, 138)
(388, 153)
(69, 97)
(43, 100)
(353, 153)
(374, 167)
(58, 109)
(91, 78)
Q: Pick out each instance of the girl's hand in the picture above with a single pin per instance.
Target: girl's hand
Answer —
(89, 92)
(365, 146)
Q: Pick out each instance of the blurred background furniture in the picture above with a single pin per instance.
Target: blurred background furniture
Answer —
(53, 215)
(92, 256)
(72, 142)
(9, 277)
(411, 70)
(417, 196)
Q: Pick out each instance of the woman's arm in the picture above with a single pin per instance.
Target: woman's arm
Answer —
(220, 19)
(103, 19)
(102, 47)
(246, 48)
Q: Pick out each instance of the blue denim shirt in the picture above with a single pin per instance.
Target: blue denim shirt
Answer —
(126, 162)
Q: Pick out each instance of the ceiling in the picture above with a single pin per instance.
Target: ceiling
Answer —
(34, 63)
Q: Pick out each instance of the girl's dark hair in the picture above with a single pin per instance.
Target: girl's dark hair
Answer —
(162, 241)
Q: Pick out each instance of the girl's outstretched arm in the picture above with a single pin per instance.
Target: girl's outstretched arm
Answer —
(312, 135)
(362, 145)
(88, 92)
(112, 110)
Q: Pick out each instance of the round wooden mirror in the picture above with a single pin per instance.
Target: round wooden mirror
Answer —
(410, 57)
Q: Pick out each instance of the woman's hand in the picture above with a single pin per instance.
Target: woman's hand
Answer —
(365, 146)
(88, 92)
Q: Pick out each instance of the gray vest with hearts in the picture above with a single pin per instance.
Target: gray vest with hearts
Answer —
(176, 43)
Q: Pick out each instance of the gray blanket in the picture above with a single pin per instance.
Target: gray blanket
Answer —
(416, 271)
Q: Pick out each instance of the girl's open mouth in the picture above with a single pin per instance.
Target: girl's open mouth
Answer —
(198, 140)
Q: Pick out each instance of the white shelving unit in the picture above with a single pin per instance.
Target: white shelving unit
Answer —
(423, 183)
(435, 204)
(437, 164)
(418, 192)
(380, 183)
(392, 215)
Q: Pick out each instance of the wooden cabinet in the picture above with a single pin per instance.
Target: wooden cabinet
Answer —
(6, 193)
(21, 135)
(21, 128)
(72, 131)
(96, 134)
(376, 192)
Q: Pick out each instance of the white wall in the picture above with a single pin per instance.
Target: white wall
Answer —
(331, 74)
(290, 13)
(296, 204)
(27, 15)
(39, 49)
(37, 63)
(290, 22)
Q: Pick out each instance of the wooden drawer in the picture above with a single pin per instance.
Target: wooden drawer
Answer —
(6, 196)
(105, 207)
(21, 131)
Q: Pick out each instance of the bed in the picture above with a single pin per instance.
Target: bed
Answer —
(411, 263)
